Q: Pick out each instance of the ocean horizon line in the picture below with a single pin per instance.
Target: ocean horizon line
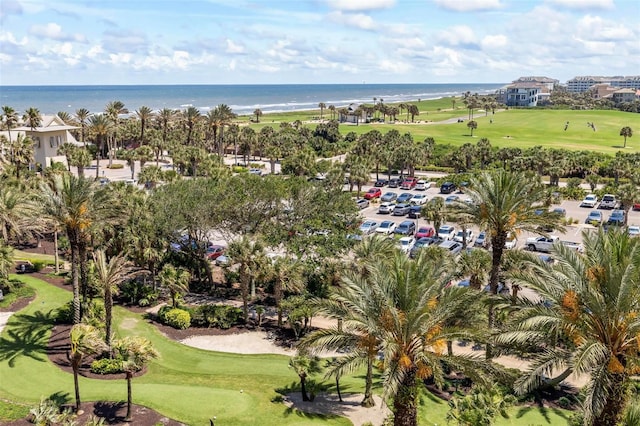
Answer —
(247, 84)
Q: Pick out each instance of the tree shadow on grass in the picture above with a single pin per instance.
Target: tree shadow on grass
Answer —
(544, 412)
(28, 336)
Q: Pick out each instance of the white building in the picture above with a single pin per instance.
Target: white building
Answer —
(47, 138)
(583, 83)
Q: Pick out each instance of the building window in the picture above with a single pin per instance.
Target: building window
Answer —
(36, 139)
(58, 140)
(51, 141)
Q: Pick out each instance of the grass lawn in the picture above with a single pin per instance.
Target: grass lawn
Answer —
(186, 384)
(523, 128)
(34, 257)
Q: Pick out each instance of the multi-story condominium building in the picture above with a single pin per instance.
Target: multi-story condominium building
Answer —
(584, 83)
(547, 82)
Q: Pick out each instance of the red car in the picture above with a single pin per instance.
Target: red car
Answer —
(636, 206)
(373, 193)
(409, 183)
(425, 231)
(214, 252)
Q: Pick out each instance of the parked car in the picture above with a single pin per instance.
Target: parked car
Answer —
(257, 172)
(405, 197)
(401, 209)
(408, 183)
(482, 240)
(589, 201)
(616, 218)
(362, 203)
(446, 232)
(425, 231)
(386, 208)
(415, 212)
(368, 226)
(451, 199)
(406, 227)
(467, 235)
(381, 182)
(214, 251)
(422, 185)
(633, 231)
(418, 199)
(559, 211)
(447, 187)
(423, 242)
(389, 197)
(594, 218)
(406, 244)
(373, 193)
(636, 206)
(394, 183)
(222, 260)
(608, 202)
(386, 227)
(453, 247)
(511, 242)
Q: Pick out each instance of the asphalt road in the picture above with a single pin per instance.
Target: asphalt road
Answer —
(573, 209)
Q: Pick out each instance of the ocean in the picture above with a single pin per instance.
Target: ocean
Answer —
(242, 99)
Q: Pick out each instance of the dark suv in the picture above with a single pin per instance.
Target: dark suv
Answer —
(447, 187)
(407, 227)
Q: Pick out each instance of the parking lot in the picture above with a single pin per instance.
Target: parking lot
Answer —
(572, 208)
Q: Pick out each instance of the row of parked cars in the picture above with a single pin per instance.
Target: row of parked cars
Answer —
(404, 183)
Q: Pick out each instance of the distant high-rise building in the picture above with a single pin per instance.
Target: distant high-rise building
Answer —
(583, 83)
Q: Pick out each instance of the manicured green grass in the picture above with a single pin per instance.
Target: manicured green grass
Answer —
(12, 411)
(23, 292)
(186, 384)
(522, 128)
(34, 257)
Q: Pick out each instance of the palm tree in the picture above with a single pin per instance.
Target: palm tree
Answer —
(504, 203)
(435, 212)
(165, 118)
(250, 257)
(6, 261)
(287, 277)
(110, 274)
(80, 158)
(22, 152)
(101, 127)
(67, 149)
(10, 119)
(76, 205)
(18, 213)
(136, 352)
(322, 106)
(145, 114)
(472, 125)
(223, 116)
(593, 308)
(475, 264)
(113, 110)
(627, 194)
(82, 115)
(176, 281)
(258, 113)
(32, 118)
(332, 108)
(85, 340)
(626, 132)
(305, 365)
(150, 176)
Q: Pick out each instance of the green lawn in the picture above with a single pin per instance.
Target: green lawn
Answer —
(186, 384)
(515, 127)
(34, 257)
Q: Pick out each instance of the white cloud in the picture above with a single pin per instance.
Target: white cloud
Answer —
(9, 38)
(356, 20)
(583, 4)
(457, 35)
(468, 5)
(396, 67)
(319, 63)
(5, 59)
(95, 51)
(282, 51)
(354, 5)
(54, 32)
(596, 28)
(9, 7)
(120, 58)
(492, 42)
(234, 48)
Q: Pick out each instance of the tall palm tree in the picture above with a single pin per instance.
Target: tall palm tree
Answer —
(10, 121)
(67, 149)
(114, 110)
(286, 274)
(23, 153)
(305, 365)
(110, 274)
(32, 118)
(190, 117)
(82, 117)
(322, 106)
(77, 205)
(136, 352)
(626, 132)
(144, 114)
(504, 203)
(176, 281)
(258, 113)
(472, 125)
(475, 264)
(593, 307)
(101, 127)
(80, 158)
(6, 260)
(165, 118)
(250, 256)
(85, 340)
(224, 115)
(18, 212)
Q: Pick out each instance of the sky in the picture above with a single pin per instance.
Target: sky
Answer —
(75, 42)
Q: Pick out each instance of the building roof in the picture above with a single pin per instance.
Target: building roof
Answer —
(49, 123)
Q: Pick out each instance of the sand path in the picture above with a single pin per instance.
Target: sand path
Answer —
(4, 318)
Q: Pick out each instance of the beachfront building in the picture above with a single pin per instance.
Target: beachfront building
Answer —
(47, 138)
(527, 91)
(583, 83)
(624, 95)
(354, 113)
(546, 82)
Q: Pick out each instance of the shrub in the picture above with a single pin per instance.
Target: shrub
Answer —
(138, 293)
(220, 316)
(564, 402)
(107, 366)
(116, 166)
(94, 313)
(178, 318)
(239, 169)
(38, 265)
